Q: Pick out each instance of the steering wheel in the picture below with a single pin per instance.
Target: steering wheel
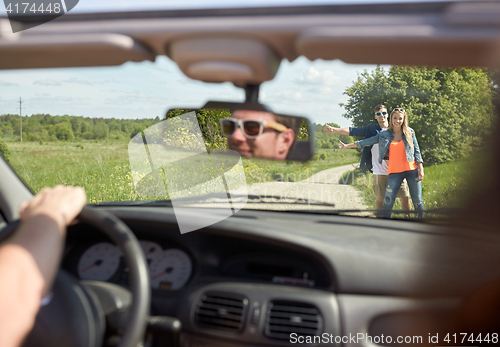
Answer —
(78, 310)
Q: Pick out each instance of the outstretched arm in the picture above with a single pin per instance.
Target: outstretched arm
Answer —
(341, 131)
(30, 258)
(362, 143)
(344, 146)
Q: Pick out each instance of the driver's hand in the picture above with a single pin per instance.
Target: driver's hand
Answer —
(61, 203)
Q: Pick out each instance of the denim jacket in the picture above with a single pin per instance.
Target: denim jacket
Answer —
(384, 140)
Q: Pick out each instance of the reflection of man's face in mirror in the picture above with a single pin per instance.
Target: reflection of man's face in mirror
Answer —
(273, 142)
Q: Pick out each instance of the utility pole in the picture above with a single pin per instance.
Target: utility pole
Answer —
(21, 120)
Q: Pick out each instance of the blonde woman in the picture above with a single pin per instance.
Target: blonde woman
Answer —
(400, 146)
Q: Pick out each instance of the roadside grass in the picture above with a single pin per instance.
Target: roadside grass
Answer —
(103, 168)
(444, 185)
(449, 184)
(99, 167)
(259, 170)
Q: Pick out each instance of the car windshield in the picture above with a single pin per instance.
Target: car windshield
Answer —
(86, 126)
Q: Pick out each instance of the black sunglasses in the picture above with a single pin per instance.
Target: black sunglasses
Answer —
(398, 110)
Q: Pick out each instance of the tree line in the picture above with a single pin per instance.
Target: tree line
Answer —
(329, 140)
(46, 127)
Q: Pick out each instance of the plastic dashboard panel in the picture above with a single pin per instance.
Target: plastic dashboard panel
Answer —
(379, 274)
(362, 256)
(261, 295)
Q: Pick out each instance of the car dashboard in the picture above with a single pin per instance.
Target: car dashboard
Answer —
(279, 278)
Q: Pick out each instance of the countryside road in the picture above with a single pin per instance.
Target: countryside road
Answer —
(321, 188)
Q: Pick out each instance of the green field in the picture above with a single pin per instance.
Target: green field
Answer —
(444, 185)
(103, 168)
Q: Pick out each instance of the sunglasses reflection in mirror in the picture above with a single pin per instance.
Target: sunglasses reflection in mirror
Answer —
(261, 134)
(251, 128)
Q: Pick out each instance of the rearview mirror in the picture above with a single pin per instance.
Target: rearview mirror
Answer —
(252, 130)
(199, 152)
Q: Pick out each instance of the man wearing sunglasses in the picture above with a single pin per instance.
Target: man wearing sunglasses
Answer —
(369, 158)
(260, 134)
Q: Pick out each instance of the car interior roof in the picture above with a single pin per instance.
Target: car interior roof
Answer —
(444, 33)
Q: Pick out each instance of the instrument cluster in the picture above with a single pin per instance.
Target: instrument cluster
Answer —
(169, 268)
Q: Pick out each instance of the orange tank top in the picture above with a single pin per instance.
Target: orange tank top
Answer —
(397, 158)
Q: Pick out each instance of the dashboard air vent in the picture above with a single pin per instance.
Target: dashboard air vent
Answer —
(284, 318)
(223, 311)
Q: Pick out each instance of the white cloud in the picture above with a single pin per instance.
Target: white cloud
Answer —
(283, 96)
(78, 81)
(323, 90)
(315, 77)
(8, 84)
(137, 100)
(47, 83)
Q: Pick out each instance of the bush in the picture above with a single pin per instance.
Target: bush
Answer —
(63, 132)
(88, 135)
(4, 150)
(33, 137)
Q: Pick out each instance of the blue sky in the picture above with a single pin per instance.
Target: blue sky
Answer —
(147, 89)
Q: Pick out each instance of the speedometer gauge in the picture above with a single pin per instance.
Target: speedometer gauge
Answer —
(151, 249)
(171, 270)
(99, 262)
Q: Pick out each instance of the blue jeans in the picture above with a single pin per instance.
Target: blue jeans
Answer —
(394, 181)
